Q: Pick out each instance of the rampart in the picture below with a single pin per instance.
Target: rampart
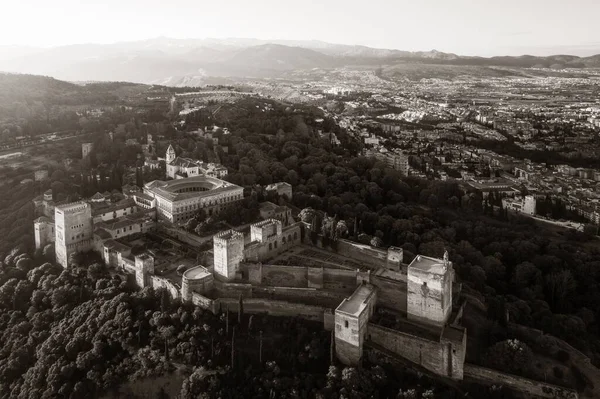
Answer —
(373, 258)
(441, 356)
(392, 293)
(303, 277)
(267, 306)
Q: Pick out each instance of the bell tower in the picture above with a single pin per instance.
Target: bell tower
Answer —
(170, 157)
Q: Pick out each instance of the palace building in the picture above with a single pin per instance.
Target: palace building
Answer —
(178, 200)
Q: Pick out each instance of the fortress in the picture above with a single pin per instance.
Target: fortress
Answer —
(405, 309)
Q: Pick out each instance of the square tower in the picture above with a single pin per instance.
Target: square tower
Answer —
(429, 297)
(264, 230)
(351, 321)
(529, 205)
(144, 269)
(228, 249)
(43, 230)
(74, 230)
(395, 257)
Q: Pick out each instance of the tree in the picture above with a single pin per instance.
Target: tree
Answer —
(511, 356)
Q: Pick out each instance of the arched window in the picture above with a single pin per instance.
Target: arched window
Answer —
(283, 240)
(295, 235)
(275, 243)
(270, 246)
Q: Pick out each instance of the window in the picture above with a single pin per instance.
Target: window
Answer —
(275, 243)
(346, 323)
(270, 246)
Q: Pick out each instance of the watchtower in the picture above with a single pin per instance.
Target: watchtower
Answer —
(429, 298)
(228, 249)
(73, 227)
(144, 269)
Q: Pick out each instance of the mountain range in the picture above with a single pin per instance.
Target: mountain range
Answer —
(181, 61)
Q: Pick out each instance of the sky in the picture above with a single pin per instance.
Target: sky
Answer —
(466, 27)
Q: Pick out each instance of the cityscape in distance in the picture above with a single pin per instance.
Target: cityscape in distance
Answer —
(231, 217)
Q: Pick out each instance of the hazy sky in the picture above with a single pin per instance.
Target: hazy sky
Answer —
(469, 27)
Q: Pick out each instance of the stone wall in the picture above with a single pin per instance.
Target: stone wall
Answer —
(161, 282)
(524, 385)
(372, 258)
(233, 290)
(433, 355)
(339, 280)
(314, 277)
(308, 296)
(346, 352)
(283, 276)
(274, 308)
(203, 302)
(391, 293)
(180, 234)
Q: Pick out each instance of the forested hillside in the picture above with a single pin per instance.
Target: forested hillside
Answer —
(544, 278)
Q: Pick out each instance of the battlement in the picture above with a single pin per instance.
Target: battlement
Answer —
(228, 235)
(267, 222)
(73, 207)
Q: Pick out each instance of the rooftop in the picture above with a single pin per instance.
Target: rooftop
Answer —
(197, 272)
(358, 301)
(428, 264)
(174, 190)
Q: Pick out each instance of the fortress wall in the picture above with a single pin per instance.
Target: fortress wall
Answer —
(347, 353)
(308, 296)
(391, 293)
(160, 282)
(529, 387)
(203, 302)
(274, 308)
(370, 256)
(232, 290)
(314, 277)
(284, 276)
(339, 280)
(254, 273)
(430, 354)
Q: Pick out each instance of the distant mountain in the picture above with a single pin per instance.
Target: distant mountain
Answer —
(163, 60)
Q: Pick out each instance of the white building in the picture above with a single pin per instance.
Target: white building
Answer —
(179, 200)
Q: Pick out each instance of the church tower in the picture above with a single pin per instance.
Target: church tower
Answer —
(170, 157)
